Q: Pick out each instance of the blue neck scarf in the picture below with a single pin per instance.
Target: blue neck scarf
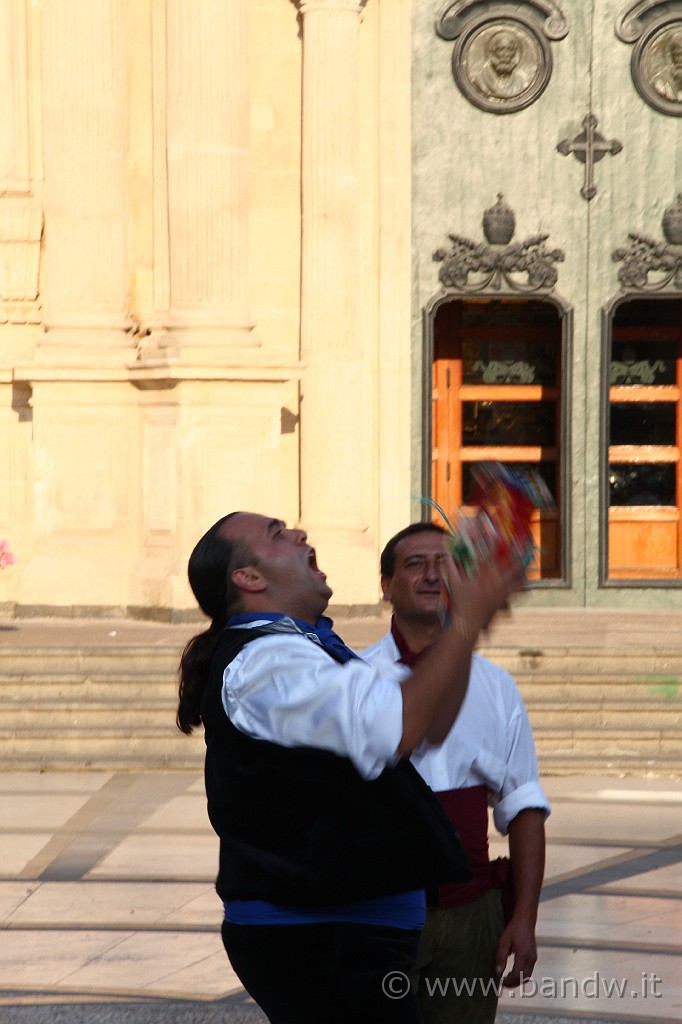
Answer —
(323, 630)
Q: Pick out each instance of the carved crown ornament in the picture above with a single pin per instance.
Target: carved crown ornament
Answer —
(655, 27)
(645, 256)
(501, 60)
(478, 267)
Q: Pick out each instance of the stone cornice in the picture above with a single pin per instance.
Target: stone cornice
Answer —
(348, 6)
(153, 375)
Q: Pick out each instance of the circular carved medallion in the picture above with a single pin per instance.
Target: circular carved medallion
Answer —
(657, 66)
(501, 64)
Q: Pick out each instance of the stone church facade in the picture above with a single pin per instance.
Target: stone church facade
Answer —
(318, 259)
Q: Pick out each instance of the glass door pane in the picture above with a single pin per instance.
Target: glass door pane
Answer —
(644, 438)
(497, 396)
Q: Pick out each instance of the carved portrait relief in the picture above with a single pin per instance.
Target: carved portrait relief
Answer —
(501, 64)
(657, 67)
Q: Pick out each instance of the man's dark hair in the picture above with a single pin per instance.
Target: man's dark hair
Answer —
(210, 568)
(388, 554)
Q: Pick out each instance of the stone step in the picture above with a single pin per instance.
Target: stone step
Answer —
(86, 686)
(607, 742)
(92, 660)
(543, 687)
(587, 661)
(112, 708)
(95, 715)
(619, 766)
(523, 662)
(619, 716)
(116, 750)
(539, 691)
(149, 713)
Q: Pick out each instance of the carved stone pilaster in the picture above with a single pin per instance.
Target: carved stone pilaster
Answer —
(84, 284)
(336, 398)
(201, 144)
(21, 214)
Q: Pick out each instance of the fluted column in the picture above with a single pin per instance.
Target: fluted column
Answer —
(84, 285)
(336, 451)
(201, 171)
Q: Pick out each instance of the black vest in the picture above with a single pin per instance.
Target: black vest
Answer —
(300, 827)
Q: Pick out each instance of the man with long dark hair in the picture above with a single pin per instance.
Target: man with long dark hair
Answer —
(328, 836)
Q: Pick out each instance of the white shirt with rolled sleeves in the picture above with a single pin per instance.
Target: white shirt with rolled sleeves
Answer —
(491, 742)
(285, 688)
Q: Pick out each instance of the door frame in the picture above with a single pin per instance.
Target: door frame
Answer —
(607, 317)
(566, 316)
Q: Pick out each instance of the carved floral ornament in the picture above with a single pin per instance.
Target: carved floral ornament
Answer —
(645, 256)
(655, 27)
(498, 264)
(501, 60)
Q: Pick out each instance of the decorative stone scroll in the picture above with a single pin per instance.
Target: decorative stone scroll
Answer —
(655, 27)
(645, 256)
(522, 267)
(451, 19)
(501, 60)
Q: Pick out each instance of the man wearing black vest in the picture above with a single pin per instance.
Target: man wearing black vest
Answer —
(328, 836)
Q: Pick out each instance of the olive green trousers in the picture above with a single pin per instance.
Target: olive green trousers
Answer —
(454, 973)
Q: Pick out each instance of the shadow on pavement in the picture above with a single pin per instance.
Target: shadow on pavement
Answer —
(236, 1009)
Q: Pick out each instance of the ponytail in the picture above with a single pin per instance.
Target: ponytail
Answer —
(195, 665)
(210, 576)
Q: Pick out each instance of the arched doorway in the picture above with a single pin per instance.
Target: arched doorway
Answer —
(499, 390)
(642, 432)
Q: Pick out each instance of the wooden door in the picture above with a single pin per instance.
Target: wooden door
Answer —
(644, 424)
(497, 396)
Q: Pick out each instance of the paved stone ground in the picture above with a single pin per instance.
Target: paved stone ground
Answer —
(235, 1010)
(106, 880)
(109, 912)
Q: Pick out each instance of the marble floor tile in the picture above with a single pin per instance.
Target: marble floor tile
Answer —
(161, 856)
(119, 904)
(637, 921)
(40, 810)
(632, 986)
(17, 849)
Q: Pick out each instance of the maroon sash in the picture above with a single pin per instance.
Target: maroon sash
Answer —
(468, 810)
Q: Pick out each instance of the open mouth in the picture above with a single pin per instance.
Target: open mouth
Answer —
(312, 562)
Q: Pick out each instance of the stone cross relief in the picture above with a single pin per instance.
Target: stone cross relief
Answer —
(589, 147)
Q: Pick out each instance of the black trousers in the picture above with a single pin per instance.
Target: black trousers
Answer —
(331, 973)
